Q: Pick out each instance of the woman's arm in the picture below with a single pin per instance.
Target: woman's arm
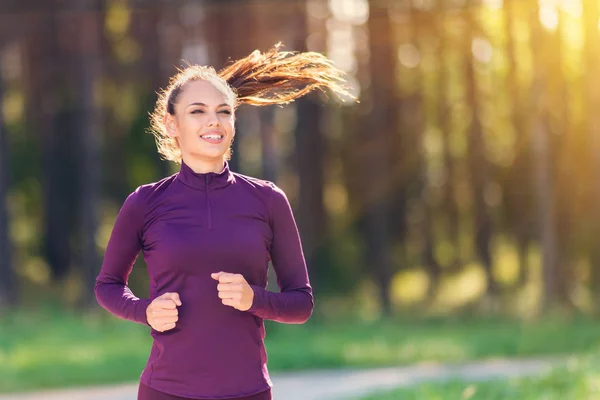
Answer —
(122, 250)
(295, 303)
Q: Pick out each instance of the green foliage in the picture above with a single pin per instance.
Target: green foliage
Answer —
(577, 381)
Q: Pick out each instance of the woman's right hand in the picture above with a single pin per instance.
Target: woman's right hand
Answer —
(162, 313)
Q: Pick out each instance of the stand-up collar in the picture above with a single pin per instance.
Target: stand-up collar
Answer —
(202, 181)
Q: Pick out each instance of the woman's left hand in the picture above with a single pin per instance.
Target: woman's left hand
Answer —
(233, 290)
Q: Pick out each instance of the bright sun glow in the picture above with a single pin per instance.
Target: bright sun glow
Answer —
(549, 15)
(572, 7)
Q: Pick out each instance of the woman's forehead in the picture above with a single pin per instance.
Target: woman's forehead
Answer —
(202, 91)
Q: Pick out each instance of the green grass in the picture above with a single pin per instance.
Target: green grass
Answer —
(56, 349)
(402, 342)
(580, 380)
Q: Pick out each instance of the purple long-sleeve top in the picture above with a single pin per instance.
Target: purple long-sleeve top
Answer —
(188, 226)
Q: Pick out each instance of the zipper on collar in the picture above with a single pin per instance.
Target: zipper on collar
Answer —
(208, 210)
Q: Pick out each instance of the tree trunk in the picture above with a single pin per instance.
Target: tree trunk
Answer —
(416, 121)
(8, 282)
(160, 58)
(450, 204)
(561, 149)
(311, 147)
(478, 166)
(518, 192)
(544, 182)
(89, 130)
(310, 150)
(44, 95)
(376, 141)
(267, 141)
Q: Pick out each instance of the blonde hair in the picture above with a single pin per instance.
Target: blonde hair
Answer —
(260, 79)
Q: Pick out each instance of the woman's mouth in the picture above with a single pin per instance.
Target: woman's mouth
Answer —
(213, 138)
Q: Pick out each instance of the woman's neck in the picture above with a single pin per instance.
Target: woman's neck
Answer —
(204, 166)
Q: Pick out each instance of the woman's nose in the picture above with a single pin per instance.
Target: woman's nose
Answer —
(213, 120)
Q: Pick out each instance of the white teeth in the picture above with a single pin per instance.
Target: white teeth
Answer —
(212, 136)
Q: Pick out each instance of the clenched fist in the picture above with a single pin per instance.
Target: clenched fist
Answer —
(162, 312)
(233, 290)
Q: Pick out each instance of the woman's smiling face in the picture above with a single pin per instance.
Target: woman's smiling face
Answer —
(203, 124)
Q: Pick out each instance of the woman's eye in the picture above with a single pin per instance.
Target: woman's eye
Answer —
(202, 112)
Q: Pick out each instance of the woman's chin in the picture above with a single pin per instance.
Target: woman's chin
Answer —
(216, 155)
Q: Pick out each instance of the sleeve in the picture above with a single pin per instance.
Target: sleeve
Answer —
(294, 304)
(122, 250)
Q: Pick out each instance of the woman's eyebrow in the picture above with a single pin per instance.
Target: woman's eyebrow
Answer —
(204, 105)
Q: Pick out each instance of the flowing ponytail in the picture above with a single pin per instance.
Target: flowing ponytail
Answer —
(260, 79)
(280, 77)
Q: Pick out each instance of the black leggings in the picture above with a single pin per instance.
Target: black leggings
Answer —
(146, 393)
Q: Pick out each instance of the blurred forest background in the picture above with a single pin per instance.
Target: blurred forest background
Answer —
(463, 188)
(468, 175)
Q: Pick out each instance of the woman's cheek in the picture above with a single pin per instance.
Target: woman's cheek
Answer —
(226, 121)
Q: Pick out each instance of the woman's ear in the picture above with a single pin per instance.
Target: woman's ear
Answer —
(171, 125)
